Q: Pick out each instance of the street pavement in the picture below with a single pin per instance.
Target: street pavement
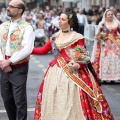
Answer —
(38, 65)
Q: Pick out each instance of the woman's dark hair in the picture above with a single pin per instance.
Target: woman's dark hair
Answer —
(42, 15)
(72, 20)
(22, 6)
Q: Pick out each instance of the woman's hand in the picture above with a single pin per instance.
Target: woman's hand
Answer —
(73, 66)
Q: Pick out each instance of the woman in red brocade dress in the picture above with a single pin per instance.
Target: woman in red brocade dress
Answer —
(106, 51)
(69, 90)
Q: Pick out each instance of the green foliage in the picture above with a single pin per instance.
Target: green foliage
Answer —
(78, 48)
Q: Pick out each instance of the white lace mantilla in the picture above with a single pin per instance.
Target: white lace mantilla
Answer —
(74, 37)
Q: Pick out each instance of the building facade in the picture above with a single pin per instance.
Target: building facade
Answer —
(103, 3)
(84, 3)
(68, 3)
(88, 3)
(29, 3)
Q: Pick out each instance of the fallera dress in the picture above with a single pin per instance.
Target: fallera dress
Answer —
(59, 98)
(107, 56)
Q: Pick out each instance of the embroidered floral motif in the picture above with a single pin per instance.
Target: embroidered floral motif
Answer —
(13, 37)
(107, 58)
(5, 36)
(14, 47)
(16, 35)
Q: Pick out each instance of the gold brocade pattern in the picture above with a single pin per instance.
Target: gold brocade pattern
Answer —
(60, 99)
(78, 81)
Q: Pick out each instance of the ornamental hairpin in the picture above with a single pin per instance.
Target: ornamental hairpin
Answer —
(70, 16)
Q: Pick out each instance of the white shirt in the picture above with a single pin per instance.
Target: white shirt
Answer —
(27, 44)
(82, 19)
(55, 21)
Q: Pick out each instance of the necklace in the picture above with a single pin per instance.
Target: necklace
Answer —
(65, 31)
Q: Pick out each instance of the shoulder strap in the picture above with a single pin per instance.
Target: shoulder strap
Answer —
(78, 81)
(111, 37)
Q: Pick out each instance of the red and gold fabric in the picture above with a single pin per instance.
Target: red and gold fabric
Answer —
(106, 61)
(58, 89)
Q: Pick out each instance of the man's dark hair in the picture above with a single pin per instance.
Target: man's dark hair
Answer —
(22, 6)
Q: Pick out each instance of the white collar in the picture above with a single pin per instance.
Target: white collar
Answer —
(16, 21)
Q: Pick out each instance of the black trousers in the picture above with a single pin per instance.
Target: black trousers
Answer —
(81, 29)
(13, 92)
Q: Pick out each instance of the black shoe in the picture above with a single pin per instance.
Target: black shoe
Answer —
(112, 81)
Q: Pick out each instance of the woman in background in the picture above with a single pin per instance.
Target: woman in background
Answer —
(106, 51)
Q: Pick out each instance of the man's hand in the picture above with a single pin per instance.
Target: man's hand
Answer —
(7, 69)
(0, 63)
(5, 63)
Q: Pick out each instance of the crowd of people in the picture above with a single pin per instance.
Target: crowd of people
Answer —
(47, 19)
(70, 88)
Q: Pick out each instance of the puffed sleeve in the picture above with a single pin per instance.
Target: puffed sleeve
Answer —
(43, 50)
(81, 42)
